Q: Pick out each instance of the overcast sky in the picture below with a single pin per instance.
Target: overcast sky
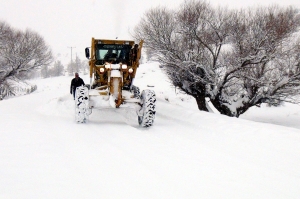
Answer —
(72, 23)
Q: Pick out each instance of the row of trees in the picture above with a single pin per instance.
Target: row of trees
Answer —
(236, 58)
(53, 71)
(58, 69)
(78, 66)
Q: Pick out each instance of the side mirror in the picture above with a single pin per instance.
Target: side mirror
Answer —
(87, 53)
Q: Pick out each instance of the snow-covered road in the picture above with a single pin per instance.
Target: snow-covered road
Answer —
(186, 154)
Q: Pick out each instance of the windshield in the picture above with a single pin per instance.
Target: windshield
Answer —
(113, 53)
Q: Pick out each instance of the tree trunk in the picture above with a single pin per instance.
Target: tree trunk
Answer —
(241, 110)
(224, 110)
(200, 99)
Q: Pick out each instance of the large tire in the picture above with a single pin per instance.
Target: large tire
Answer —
(88, 86)
(147, 112)
(136, 92)
(81, 104)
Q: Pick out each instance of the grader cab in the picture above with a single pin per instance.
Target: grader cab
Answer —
(113, 66)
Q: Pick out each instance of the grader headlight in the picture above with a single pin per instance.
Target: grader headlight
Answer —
(130, 70)
(102, 70)
(124, 66)
(107, 66)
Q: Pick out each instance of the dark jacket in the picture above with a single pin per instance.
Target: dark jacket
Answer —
(76, 82)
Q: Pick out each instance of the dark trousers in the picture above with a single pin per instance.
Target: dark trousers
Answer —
(74, 92)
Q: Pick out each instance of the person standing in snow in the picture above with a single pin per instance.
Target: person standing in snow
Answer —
(76, 82)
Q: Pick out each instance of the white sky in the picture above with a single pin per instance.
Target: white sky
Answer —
(66, 23)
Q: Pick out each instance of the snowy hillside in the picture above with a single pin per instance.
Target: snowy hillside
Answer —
(185, 154)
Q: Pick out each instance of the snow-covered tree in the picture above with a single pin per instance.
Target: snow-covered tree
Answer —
(187, 42)
(5, 30)
(229, 56)
(260, 39)
(21, 52)
(24, 52)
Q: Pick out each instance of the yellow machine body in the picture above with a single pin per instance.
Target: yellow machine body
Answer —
(113, 65)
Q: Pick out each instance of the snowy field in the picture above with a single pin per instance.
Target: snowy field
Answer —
(185, 154)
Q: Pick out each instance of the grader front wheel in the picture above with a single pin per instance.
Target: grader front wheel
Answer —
(81, 104)
(147, 112)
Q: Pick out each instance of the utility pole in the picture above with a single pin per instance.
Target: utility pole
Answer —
(71, 57)
(71, 52)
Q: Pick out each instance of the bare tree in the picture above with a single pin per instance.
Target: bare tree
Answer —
(187, 43)
(5, 32)
(24, 52)
(21, 53)
(257, 39)
(157, 28)
(233, 57)
(204, 31)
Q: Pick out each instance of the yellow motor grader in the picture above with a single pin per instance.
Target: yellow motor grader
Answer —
(113, 65)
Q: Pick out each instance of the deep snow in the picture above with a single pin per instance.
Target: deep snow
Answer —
(186, 154)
